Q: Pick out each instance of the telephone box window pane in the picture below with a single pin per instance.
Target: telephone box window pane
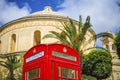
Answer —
(76, 74)
(68, 73)
(59, 71)
(32, 74)
(62, 55)
(40, 54)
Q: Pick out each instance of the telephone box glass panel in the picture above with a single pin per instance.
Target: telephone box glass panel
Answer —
(62, 55)
(40, 54)
(32, 74)
(67, 73)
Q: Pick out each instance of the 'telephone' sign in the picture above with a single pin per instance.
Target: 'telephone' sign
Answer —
(40, 54)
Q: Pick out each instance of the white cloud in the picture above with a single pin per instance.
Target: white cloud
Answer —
(10, 11)
(105, 14)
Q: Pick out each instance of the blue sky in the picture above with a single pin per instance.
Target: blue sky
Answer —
(37, 5)
(105, 14)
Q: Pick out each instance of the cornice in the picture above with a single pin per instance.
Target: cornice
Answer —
(31, 18)
(55, 17)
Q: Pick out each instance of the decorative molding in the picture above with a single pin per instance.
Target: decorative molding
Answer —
(31, 24)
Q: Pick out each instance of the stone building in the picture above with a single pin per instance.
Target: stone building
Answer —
(108, 44)
(21, 34)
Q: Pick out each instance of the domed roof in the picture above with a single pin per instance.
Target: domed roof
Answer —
(46, 12)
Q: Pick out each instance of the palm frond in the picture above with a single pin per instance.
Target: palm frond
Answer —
(49, 36)
(67, 29)
(17, 65)
(64, 30)
(11, 62)
(80, 25)
(73, 28)
(60, 38)
(70, 35)
(2, 63)
(84, 29)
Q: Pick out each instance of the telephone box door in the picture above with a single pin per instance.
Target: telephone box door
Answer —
(33, 72)
(65, 63)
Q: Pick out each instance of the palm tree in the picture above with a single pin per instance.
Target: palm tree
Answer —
(70, 35)
(11, 63)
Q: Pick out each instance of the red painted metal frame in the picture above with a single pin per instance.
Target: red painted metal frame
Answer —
(48, 64)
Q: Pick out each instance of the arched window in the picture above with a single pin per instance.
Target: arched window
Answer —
(113, 47)
(107, 47)
(117, 76)
(13, 43)
(0, 46)
(37, 38)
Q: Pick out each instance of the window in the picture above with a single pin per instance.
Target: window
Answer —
(13, 43)
(62, 55)
(113, 47)
(37, 37)
(33, 74)
(117, 76)
(62, 34)
(38, 55)
(107, 47)
(67, 73)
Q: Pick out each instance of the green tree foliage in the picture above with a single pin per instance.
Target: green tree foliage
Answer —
(11, 64)
(85, 77)
(18, 71)
(97, 63)
(70, 35)
(117, 43)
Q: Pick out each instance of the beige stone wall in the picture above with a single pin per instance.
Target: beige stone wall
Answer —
(88, 42)
(24, 31)
(108, 44)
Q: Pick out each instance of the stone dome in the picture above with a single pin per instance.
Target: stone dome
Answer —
(23, 33)
(47, 12)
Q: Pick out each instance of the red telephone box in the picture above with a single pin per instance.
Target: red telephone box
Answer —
(51, 62)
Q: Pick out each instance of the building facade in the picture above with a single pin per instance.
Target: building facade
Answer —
(23, 33)
(20, 35)
(109, 45)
